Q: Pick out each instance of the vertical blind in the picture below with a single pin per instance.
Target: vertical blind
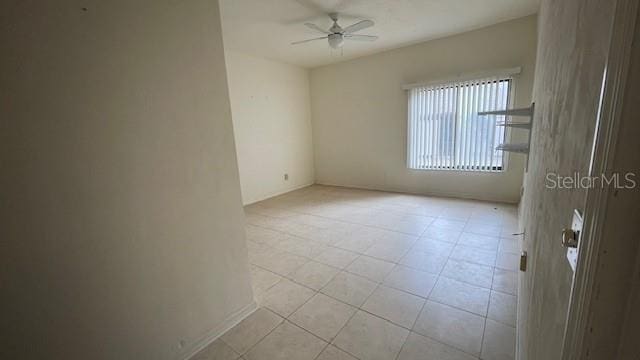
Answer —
(445, 131)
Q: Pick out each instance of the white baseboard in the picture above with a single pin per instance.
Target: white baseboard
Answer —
(252, 201)
(457, 195)
(215, 333)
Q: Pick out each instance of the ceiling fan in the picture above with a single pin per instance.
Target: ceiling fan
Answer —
(337, 35)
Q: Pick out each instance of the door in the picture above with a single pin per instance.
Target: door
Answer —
(572, 51)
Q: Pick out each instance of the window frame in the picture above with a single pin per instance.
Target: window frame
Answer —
(505, 75)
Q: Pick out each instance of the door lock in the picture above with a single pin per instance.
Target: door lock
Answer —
(570, 238)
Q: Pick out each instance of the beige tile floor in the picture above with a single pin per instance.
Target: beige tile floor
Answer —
(352, 274)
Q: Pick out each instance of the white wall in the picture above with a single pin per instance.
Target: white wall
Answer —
(359, 111)
(271, 112)
(122, 225)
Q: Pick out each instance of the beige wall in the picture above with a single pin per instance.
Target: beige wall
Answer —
(359, 111)
(573, 44)
(122, 227)
(271, 112)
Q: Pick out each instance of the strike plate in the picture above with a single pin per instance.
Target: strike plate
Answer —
(523, 261)
(572, 252)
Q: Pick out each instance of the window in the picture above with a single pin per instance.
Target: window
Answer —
(445, 131)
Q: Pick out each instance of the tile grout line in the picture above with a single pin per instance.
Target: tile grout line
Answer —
(381, 283)
(286, 319)
(356, 223)
(422, 309)
(434, 217)
(358, 308)
(333, 245)
(263, 337)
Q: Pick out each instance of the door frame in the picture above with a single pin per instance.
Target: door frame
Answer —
(603, 155)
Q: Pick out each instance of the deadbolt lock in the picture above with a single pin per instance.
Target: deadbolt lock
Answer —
(570, 238)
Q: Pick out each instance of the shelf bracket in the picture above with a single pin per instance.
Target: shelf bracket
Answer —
(528, 112)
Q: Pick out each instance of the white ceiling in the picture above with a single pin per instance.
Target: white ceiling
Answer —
(267, 27)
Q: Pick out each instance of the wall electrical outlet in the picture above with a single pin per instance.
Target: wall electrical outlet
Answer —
(286, 177)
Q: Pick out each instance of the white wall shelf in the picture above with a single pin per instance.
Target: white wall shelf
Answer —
(517, 148)
(516, 124)
(528, 111)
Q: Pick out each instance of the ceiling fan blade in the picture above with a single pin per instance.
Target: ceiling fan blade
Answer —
(361, 37)
(304, 41)
(358, 26)
(316, 28)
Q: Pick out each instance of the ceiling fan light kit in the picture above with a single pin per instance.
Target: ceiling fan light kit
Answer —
(335, 40)
(336, 35)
